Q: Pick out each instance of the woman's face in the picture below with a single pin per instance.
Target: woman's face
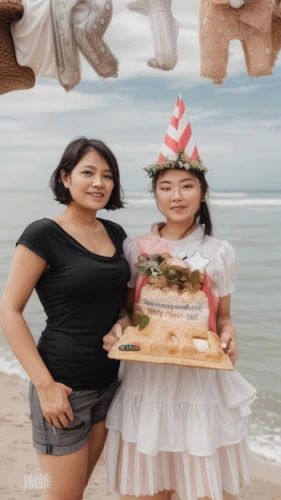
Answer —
(178, 193)
(91, 182)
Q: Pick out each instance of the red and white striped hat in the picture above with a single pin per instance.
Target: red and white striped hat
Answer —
(179, 149)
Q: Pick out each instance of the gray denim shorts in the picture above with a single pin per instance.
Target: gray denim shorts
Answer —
(89, 408)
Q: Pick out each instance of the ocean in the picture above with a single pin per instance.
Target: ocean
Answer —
(250, 221)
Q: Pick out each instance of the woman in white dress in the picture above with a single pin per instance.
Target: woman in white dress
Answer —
(179, 432)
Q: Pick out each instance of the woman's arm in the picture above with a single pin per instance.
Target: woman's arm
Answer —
(123, 322)
(27, 267)
(226, 329)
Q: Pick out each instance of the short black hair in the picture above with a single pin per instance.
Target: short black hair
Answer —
(72, 154)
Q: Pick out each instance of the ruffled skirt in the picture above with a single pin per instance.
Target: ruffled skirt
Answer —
(180, 429)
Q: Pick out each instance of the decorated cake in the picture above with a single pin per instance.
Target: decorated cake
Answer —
(171, 316)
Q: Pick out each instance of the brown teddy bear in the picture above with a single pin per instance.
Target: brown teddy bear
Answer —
(12, 76)
(276, 31)
(250, 23)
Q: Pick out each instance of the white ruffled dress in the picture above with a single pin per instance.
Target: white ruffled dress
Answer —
(178, 428)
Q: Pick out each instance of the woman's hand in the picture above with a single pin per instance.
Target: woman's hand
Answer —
(228, 342)
(55, 405)
(112, 337)
(226, 329)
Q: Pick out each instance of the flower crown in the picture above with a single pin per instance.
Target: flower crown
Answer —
(181, 160)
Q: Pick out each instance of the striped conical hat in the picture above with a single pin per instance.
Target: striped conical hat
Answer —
(179, 149)
(12, 76)
(179, 135)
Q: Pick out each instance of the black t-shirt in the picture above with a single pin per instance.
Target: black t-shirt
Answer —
(82, 294)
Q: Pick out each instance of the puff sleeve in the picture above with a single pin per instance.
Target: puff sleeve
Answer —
(130, 249)
(226, 268)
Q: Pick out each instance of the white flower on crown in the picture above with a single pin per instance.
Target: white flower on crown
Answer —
(172, 157)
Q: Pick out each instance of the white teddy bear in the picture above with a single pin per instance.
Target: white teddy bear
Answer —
(164, 29)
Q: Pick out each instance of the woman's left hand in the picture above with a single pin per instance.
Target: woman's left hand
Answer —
(112, 337)
(228, 342)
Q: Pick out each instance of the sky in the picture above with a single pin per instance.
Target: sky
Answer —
(236, 126)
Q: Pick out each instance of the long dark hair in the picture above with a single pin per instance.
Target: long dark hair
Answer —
(73, 153)
(202, 216)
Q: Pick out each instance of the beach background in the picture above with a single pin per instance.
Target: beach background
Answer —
(250, 221)
(237, 129)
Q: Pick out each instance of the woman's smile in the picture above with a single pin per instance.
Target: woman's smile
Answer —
(178, 208)
(95, 194)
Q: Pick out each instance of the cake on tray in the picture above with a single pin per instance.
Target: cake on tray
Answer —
(171, 318)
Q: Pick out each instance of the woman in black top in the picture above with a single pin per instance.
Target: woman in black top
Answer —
(76, 265)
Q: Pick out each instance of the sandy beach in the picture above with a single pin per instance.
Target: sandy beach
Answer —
(18, 459)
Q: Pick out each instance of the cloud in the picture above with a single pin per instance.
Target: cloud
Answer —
(200, 114)
(236, 150)
(51, 98)
(244, 89)
(274, 123)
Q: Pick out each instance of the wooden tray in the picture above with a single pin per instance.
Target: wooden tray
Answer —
(223, 364)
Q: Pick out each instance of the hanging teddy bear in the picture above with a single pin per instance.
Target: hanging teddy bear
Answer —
(48, 37)
(276, 31)
(164, 30)
(12, 76)
(81, 24)
(90, 22)
(224, 20)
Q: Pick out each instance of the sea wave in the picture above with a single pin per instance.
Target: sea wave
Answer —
(262, 445)
(248, 202)
(140, 201)
(229, 195)
(226, 202)
(10, 365)
(217, 194)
